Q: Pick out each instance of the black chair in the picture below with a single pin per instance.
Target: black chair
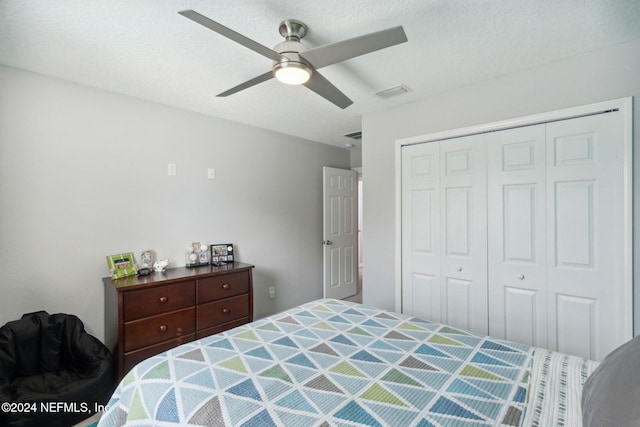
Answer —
(51, 358)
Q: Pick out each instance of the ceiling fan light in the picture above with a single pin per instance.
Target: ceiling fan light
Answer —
(292, 73)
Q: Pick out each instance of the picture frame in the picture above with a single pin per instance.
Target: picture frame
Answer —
(122, 265)
(222, 253)
(196, 255)
(146, 259)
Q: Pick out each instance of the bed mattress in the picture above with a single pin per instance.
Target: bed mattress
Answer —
(336, 363)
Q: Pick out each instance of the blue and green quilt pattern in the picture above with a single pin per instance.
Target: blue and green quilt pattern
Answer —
(329, 363)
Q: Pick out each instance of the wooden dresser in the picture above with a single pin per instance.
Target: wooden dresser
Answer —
(146, 315)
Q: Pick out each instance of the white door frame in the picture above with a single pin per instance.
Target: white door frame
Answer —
(624, 105)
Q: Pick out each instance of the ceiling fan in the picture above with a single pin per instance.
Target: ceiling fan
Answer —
(294, 63)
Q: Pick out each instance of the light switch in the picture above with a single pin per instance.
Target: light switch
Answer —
(211, 173)
(172, 169)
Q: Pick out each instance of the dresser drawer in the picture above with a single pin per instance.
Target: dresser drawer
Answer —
(159, 299)
(136, 356)
(201, 333)
(226, 310)
(225, 286)
(155, 329)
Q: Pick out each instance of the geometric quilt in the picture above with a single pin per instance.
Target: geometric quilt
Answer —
(329, 363)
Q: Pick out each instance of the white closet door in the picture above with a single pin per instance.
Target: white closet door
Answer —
(463, 232)
(584, 235)
(517, 243)
(421, 231)
(541, 213)
(444, 232)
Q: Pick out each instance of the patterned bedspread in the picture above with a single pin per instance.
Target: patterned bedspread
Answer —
(556, 389)
(329, 363)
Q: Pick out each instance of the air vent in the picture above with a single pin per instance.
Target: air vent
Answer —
(397, 90)
(354, 135)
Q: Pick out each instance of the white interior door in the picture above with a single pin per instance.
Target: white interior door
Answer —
(463, 232)
(517, 245)
(421, 296)
(340, 232)
(585, 217)
(444, 232)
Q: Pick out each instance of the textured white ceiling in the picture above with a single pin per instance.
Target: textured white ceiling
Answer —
(143, 48)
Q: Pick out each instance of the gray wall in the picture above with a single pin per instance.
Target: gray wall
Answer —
(83, 174)
(356, 156)
(597, 76)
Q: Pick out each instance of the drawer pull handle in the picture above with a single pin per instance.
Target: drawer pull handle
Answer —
(226, 286)
(226, 311)
(164, 300)
(163, 328)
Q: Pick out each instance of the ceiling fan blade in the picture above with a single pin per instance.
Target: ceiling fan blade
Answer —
(323, 87)
(254, 81)
(328, 54)
(230, 34)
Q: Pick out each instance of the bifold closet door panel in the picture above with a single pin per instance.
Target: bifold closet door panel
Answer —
(421, 257)
(584, 234)
(463, 232)
(516, 190)
(444, 232)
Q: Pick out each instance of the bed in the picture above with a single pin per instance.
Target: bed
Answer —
(337, 363)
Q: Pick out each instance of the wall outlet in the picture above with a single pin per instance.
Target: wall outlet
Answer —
(272, 292)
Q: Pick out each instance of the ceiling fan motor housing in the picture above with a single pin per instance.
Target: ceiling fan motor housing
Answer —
(291, 48)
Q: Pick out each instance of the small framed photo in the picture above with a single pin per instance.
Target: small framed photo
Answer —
(196, 255)
(221, 253)
(122, 265)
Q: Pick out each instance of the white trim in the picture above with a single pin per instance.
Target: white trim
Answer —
(627, 217)
(550, 116)
(624, 105)
(398, 228)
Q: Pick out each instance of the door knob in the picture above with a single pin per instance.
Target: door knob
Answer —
(327, 242)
